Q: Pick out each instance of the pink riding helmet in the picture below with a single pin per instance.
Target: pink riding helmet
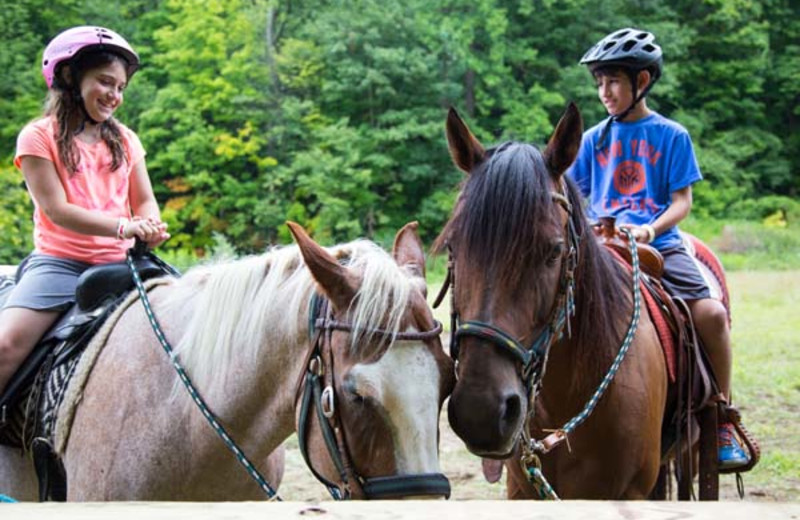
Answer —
(71, 42)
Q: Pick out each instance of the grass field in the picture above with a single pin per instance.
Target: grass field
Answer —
(766, 337)
(766, 385)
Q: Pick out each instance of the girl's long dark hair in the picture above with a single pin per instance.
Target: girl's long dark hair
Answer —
(65, 104)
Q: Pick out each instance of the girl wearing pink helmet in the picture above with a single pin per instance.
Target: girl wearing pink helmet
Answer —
(86, 175)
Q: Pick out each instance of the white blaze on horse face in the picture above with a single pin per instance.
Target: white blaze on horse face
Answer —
(405, 381)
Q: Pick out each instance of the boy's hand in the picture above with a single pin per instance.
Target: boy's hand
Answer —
(642, 234)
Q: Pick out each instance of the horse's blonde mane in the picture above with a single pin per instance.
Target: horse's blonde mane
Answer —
(244, 307)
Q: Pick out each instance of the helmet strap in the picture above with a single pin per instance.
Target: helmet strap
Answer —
(86, 116)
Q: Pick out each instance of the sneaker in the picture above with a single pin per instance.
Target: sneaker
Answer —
(731, 454)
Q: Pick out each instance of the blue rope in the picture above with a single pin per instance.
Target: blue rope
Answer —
(534, 473)
(612, 371)
(198, 399)
(541, 485)
(6, 498)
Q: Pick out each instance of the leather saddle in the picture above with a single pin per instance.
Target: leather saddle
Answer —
(30, 402)
(693, 384)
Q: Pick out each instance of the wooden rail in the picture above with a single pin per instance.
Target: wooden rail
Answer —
(396, 510)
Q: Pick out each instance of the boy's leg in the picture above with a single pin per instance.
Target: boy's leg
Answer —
(711, 321)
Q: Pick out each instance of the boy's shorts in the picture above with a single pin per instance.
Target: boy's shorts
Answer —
(682, 278)
(46, 282)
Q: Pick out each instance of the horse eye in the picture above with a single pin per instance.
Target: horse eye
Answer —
(356, 397)
(352, 394)
(556, 251)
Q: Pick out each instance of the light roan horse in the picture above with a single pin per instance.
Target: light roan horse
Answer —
(251, 333)
(521, 250)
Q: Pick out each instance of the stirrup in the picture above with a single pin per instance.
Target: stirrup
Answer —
(746, 441)
(731, 455)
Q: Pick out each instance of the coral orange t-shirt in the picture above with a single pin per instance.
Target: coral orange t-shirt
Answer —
(94, 186)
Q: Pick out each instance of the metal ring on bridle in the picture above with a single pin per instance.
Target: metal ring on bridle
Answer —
(326, 401)
(323, 400)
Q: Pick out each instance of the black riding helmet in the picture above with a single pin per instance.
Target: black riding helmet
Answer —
(632, 50)
(628, 48)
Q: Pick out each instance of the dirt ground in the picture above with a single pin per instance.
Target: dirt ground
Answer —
(466, 479)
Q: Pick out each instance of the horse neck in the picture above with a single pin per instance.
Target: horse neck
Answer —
(261, 394)
(253, 396)
(578, 362)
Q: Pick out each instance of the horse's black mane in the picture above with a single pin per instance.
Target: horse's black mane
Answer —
(503, 222)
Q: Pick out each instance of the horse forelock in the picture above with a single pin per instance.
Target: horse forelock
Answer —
(505, 219)
(383, 296)
(242, 307)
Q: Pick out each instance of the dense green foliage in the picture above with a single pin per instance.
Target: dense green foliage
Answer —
(331, 112)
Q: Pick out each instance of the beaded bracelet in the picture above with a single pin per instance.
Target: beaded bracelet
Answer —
(651, 232)
(121, 225)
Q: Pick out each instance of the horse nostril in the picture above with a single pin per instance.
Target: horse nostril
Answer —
(511, 410)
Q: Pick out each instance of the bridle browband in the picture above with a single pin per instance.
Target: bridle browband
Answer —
(316, 389)
(532, 358)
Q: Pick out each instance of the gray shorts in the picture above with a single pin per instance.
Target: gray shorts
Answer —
(682, 276)
(46, 282)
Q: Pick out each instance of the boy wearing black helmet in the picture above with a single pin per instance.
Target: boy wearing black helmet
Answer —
(639, 167)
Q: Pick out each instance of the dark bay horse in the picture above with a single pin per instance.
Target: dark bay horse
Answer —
(541, 311)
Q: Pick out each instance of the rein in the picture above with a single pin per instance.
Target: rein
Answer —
(529, 460)
(187, 382)
(320, 371)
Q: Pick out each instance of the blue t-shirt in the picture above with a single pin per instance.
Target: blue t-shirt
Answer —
(633, 176)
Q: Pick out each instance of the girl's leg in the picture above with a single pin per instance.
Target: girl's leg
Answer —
(20, 330)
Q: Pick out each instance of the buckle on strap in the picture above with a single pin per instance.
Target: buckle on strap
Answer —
(326, 401)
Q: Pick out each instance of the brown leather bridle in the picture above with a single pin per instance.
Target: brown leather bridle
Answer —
(316, 389)
(532, 358)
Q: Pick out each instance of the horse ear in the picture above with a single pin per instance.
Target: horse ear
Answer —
(335, 280)
(565, 142)
(465, 149)
(408, 250)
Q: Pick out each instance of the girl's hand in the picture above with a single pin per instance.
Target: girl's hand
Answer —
(149, 230)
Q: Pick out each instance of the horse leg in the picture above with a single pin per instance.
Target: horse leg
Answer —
(685, 472)
(17, 476)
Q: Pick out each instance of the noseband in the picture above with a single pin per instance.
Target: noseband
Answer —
(532, 358)
(319, 372)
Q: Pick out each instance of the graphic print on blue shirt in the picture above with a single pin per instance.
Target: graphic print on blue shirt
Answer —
(633, 177)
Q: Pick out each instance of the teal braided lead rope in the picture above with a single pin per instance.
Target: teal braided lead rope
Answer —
(198, 399)
(530, 447)
(612, 371)
(540, 484)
